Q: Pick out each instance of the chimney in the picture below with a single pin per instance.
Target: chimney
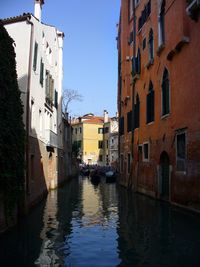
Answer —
(38, 9)
(105, 116)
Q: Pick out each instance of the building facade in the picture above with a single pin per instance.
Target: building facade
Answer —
(87, 139)
(39, 53)
(158, 81)
(95, 139)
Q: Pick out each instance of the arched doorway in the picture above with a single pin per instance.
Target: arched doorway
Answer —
(164, 181)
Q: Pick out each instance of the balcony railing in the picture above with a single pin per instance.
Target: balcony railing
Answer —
(51, 138)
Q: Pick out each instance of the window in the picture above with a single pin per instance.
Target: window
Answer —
(80, 130)
(121, 126)
(136, 67)
(106, 130)
(100, 130)
(150, 104)
(76, 131)
(151, 45)
(137, 112)
(55, 99)
(100, 157)
(193, 9)
(41, 72)
(161, 24)
(130, 8)
(146, 152)
(130, 41)
(145, 14)
(100, 144)
(165, 93)
(129, 163)
(49, 89)
(129, 121)
(35, 56)
(181, 151)
(121, 163)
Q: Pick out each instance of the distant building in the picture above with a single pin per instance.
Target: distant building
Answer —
(95, 139)
(158, 99)
(87, 139)
(39, 57)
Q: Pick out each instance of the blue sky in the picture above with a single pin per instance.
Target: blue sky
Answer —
(90, 51)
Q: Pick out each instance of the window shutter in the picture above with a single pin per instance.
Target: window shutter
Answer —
(56, 99)
(41, 72)
(35, 56)
(152, 105)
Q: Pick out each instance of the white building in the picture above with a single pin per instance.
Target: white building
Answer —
(39, 57)
(113, 141)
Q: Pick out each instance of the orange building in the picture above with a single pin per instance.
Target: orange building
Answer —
(158, 99)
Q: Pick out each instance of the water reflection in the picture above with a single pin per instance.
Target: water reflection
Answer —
(153, 233)
(82, 225)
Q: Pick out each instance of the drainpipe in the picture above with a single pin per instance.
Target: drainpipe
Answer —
(28, 107)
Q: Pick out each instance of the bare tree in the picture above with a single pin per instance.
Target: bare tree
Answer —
(69, 95)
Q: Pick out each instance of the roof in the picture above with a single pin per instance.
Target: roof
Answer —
(90, 120)
(94, 120)
(19, 18)
(24, 17)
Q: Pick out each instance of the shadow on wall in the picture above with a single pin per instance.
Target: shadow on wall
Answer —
(38, 182)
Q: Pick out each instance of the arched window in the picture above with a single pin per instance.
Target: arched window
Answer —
(137, 63)
(151, 45)
(150, 104)
(161, 24)
(165, 93)
(137, 112)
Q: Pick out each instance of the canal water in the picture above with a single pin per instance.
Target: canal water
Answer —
(86, 225)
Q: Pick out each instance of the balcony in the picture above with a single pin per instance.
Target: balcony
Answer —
(51, 138)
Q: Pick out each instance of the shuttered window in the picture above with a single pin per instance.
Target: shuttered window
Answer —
(35, 56)
(136, 64)
(129, 121)
(151, 45)
(121, 126)
(144, 15)
(137, 113)
(41, 72)
(165, 93)
(56, 99)
(150, 104)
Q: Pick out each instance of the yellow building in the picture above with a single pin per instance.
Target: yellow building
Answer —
(87, 139)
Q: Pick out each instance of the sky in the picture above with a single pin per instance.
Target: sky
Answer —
(90, 48)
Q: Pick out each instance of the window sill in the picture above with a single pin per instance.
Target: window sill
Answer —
(150, 123)
(150, 63)
(160, 49)
(136, 77)
(165, 116)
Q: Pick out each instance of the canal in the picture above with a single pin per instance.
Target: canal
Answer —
(85, 225)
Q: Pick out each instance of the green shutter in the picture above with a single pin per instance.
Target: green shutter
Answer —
(35, 56)
(41, 72)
